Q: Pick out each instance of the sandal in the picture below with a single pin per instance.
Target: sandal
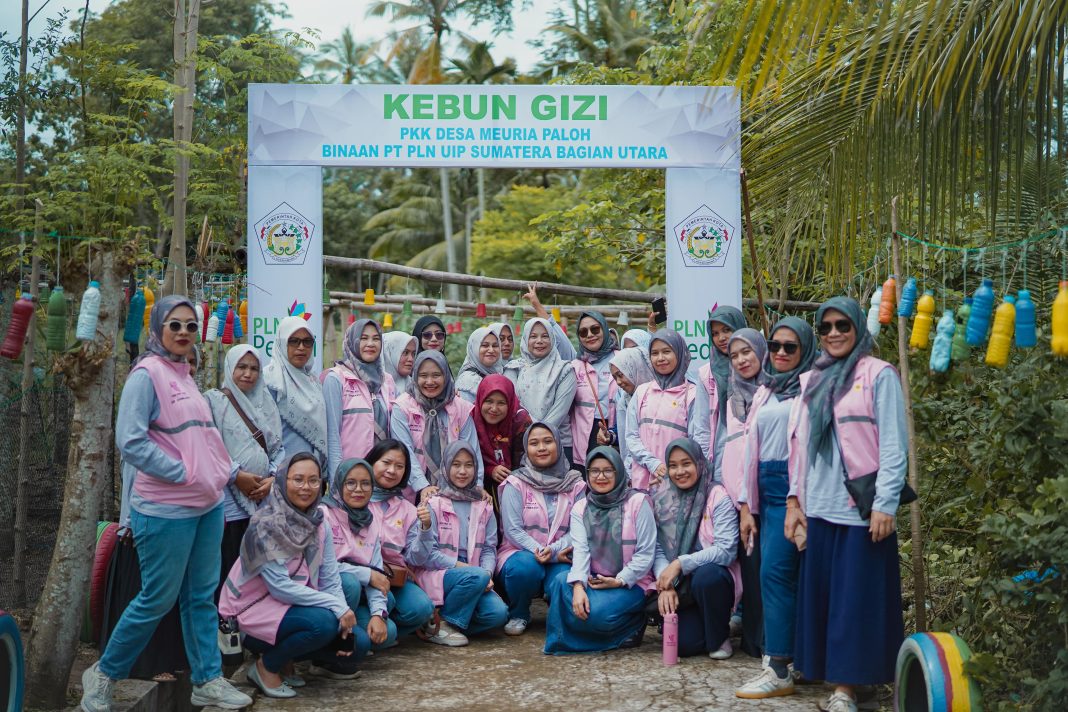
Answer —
(164, 677)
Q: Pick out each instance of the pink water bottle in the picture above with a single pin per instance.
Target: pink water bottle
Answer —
(671, 638)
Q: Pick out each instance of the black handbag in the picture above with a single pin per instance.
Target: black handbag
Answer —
(862, 490)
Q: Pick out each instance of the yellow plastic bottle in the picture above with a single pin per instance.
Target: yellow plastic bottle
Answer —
(150, 299)
(997, 350)
(1060, 321)
(921, 326)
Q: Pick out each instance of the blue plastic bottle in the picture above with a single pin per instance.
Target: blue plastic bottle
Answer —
(982, 309)
(1025, 321)
(134, 318)
(907, 305)
(943, 342)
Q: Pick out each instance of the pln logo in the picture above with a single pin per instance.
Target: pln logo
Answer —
(704, 238)
(299, 309)
(284, 236)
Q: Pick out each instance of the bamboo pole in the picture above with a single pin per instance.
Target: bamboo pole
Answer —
(758, 278)
(919, 581)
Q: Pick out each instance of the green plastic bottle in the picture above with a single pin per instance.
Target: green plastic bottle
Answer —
(961, 349)
(56, 330)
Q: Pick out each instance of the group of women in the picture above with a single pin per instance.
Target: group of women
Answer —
(330, 515)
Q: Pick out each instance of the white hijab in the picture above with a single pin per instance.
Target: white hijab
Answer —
(393, 345)
(537, 378)
(297, 392)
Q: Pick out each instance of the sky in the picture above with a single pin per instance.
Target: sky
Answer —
(323, 15)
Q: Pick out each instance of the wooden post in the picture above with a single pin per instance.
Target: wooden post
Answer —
(758, 278)
(919, 581)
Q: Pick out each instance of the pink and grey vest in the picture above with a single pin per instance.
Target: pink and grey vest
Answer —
(706, 534)
(662, 417)
(584, 408)
(741, 453)
(630, 536)
(432, 581)
(394, 518)
(351, 548)
(536, 516)
(357, 410)
(708, 382)
(184, 431)
(458, 411)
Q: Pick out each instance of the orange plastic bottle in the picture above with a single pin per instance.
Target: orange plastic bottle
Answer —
(888, 306)
(1060, 321)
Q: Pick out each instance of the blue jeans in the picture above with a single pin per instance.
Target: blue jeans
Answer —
(523, 578)
(308, 633)
(615, 615)
(354, 596)
(468, 605)
(412, 608)
(706, 624)
(779, 563)
(180, 560)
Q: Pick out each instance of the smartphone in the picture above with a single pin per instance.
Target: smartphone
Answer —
(659, 310)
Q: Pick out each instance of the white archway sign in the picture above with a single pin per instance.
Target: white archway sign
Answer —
(294, 130)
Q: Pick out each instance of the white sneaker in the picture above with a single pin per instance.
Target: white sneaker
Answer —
(725, 651)
(515, 626)
(839, 702)
(97, 690)
(219, 693)
(447, 636)
(767, 684)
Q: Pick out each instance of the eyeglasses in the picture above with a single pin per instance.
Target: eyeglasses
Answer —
(307, 484)
(842, 326)
(434, 335)
(788, 346)
(306, 343)
(191, 327)
(583, 332)
(357, 486)
(602, 474)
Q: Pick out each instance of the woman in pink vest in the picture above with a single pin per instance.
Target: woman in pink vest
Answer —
(456, 553)
(284, 591)
(847, 463)
(165, 432)
(662, 410)
(696, 551)
(713, 378)
(483, 359)
(593, 412)
(295, 389)
(429, 417)
(398, 358)
(600, 604)
(358, 548)
(398, 529)
(630, 368)
(500, 424)
(358, 394)
(762, 501)
(536, 502)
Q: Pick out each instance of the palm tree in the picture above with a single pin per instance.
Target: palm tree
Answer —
(344, 59)
(479, 66)
(609, 33)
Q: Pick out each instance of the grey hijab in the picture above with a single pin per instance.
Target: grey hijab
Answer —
(558, 477)
(679, 512)
(359, 519)
(720, 363)
(393, 345)
(538, 378)
(371, 374)
(608, 342)
(603, 518)
(472, 492)
(160, 311)
(788, 384)
(742, 390)
(678, 344)
(297, 392)
(436, 432)
(634, 364)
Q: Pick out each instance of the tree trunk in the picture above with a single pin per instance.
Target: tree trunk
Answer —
(446, 221)
(20, 128)
(90, 372)
(186, 24)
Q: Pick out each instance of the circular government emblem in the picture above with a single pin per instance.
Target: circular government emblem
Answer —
(704, 238)
(284, 235)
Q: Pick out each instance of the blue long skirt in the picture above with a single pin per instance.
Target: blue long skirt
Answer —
(615, 615)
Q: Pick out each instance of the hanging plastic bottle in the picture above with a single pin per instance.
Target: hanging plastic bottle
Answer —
(239, 330)
(921, 327)
(943, 342)
(1026, 337)
(889, 301)
(203, 314)
(1059, 321)
(982, 309)
(135, 317)
(56, 332)
(961, 349)
(17, 327)
(150, 299)
(242, 311)
(873, 313)
(89, 312)
(997, 352)
(221, 309)
(907, 306)
(228, 328)
(213, 329)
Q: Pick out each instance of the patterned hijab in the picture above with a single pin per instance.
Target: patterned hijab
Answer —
(436, 432)
(297, 392)
(421, 326)
(679, 511)
(472, 492)
(371, 373)
(603, 518)
(495, 441)
(538, 377)
(640, 337)
(608, 340)
(742, 390)
(557, 477)
(678, 344)
(720, 363)
(360, 518)
(160, 311)
(788, 384)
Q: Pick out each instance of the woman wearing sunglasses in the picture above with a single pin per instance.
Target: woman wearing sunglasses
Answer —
(600, 604)
(714, 377)
(662, 410)
(165, 430)
(285, 592)
(593, 411)
(358, 548)
(847, 463)
(295, 389)
(430, 334)
(358, 394)
(762, 500)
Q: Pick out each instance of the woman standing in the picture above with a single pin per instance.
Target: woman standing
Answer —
(504, 334)
(500, 424)
(457, 552)
(662, 410)
(848, 446)
(251, 429)
(713, 378)
(358, 394)
(593, 416)
(536, 503)
(285, 591)
(430, 334)
(636, 339)
(398, 357)
(600, 604)
(297, 392)
(630, 368)
(429, 417)
(165, 431)
(697, 539)
(483, 359)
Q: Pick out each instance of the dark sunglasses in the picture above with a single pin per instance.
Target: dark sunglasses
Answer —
(176, 326)
(434, 335)
(589, 331)
(788, 346)
(842, 326)
(306, 343)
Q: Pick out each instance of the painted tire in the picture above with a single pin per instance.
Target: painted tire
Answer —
(90, 633)
(12, 666)
(930, 675)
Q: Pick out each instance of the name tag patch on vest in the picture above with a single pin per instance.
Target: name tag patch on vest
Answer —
(177, 394)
